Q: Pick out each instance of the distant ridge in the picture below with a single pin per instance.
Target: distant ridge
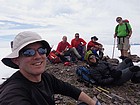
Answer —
(135, 43)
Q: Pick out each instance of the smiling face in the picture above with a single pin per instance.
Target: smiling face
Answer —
(32, 66)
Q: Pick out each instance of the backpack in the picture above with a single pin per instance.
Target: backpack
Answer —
(53, 58)
(84, 74)
(125, 22)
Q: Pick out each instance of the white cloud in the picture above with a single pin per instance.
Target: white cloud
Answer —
(70, 16)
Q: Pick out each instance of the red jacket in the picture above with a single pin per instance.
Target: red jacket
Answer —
(92, 44)
(75, 43)
(62, 45)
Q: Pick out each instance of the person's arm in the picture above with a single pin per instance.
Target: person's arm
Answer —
(85, 98)
(58, 48)
(98, 77)
(130, 33)
(69, 46)
(102, 81)
(130, 30)
(67, 89)
(72, 43)
(115, 35)
(116, 31)
(83, 42)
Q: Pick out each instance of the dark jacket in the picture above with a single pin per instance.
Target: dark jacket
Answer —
(17, 90)
(101, 73)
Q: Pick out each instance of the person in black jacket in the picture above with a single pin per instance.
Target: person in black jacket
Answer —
(105, 74)
(31, 85)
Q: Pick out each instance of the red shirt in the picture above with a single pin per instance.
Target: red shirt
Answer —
(75, 43)
(92, 44)
(62, 45)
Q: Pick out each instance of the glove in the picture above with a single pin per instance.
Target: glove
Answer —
(98, 103)
(128, 60)
(134, 68)
(116, 74)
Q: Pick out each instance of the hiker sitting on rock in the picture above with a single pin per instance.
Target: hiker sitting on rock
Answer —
(31, 84)
(95, 46)
(105, 74)
(79, 44)
(65, 49)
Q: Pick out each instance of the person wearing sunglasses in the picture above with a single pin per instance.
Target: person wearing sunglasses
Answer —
(31, 84)
(105, 74)
(123, 32)
(79, 44)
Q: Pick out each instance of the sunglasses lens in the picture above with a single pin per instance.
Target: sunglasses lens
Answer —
(42, 51)
(92, 57)
(29, 52)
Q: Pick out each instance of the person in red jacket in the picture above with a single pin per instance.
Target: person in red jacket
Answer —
(95, 47)
(65, 49)
(79, 44)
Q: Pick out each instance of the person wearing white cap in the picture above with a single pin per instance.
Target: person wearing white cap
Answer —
(31, 85)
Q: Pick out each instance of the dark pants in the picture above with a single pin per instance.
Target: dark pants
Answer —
(68, 53)
(126, 73)
(81, 51)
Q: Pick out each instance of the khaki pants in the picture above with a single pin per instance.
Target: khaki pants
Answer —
(123, 43)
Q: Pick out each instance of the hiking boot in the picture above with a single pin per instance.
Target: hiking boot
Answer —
(134, 68)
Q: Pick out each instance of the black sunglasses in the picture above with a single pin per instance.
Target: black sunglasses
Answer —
(91, 57)
(118, 20)
(32, 52)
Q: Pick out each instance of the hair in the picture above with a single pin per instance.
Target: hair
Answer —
(76, 33)
(118, 18)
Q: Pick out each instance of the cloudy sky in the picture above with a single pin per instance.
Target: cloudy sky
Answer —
(55, 18)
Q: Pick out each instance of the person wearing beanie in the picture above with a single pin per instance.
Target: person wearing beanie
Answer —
(31, 84)
(105, 74)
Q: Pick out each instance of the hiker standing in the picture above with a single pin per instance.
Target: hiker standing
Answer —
(79, 44)
(123, 32)
(31, 85)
